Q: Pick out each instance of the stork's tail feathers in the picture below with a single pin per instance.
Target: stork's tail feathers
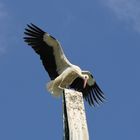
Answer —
(50, 86)
(52, 89)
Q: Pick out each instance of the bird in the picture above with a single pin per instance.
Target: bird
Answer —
(63, 74)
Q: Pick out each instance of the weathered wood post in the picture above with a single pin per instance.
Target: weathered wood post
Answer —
(74, 117)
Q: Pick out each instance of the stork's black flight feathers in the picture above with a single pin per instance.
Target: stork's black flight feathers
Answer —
(34, 38)
(91, 93)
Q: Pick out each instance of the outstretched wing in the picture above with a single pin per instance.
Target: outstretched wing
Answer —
(48, 48)
(92, 93)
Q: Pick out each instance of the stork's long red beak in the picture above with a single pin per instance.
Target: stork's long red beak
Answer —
(85, 83)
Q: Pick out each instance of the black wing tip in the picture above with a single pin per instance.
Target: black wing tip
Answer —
(33, 33)
(92, 94)
(30, 25)
(99, 93)
(33, 28)
(95, 95)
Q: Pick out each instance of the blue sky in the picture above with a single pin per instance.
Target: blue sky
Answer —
(99, 36)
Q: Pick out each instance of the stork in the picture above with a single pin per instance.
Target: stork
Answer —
(62, 73)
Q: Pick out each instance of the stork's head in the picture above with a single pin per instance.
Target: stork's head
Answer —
(85, 78)
(83, 74)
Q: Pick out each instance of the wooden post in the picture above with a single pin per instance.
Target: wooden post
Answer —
(74, 118)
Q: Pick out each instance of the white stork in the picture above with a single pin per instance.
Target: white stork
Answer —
(62, 73)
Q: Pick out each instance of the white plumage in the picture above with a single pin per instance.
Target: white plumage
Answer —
(63, 74)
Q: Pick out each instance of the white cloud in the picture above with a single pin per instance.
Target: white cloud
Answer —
(3, 15)
(2, 11)
(127, 10)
